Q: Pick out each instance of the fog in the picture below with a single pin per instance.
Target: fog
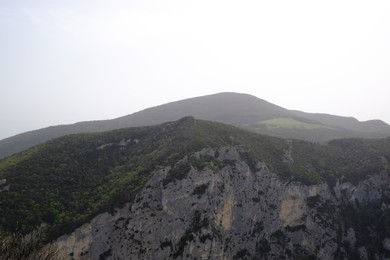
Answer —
(69, 61)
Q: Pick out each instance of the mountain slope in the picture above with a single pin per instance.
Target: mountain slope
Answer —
(229, 108)
(233, 212)
(242, 110)
(199, 184)
(348, 123)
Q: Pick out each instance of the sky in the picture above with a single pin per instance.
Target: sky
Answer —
(63, 62)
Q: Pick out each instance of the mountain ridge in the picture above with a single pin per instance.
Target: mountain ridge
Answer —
(242, 110)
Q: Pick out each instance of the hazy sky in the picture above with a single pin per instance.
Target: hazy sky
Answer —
(68, 61)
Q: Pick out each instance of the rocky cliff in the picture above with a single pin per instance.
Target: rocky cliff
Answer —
(219, 204)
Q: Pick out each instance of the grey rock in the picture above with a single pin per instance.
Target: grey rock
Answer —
(228, 212)
(3, 186)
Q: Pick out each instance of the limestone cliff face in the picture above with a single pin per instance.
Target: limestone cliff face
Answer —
(224, 209)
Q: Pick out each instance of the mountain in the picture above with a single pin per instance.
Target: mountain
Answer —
(199, 189)
(241, 110)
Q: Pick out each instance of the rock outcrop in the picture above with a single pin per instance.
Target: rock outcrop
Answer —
(3, 186)
(214, 204)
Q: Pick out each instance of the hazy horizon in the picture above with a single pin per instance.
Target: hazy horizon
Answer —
(66, 62)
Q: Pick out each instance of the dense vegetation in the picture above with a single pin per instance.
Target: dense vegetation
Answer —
(68, 181)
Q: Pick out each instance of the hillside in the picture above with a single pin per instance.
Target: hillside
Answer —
(241, 110)
(200, 184)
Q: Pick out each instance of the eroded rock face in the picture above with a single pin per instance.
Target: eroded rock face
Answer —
(223, 209)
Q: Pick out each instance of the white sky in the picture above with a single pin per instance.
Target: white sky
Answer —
(69, 61)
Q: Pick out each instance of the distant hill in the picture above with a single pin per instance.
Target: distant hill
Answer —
(241, 110)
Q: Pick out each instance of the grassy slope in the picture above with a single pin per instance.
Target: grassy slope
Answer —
(67, 181)
(290, 123)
